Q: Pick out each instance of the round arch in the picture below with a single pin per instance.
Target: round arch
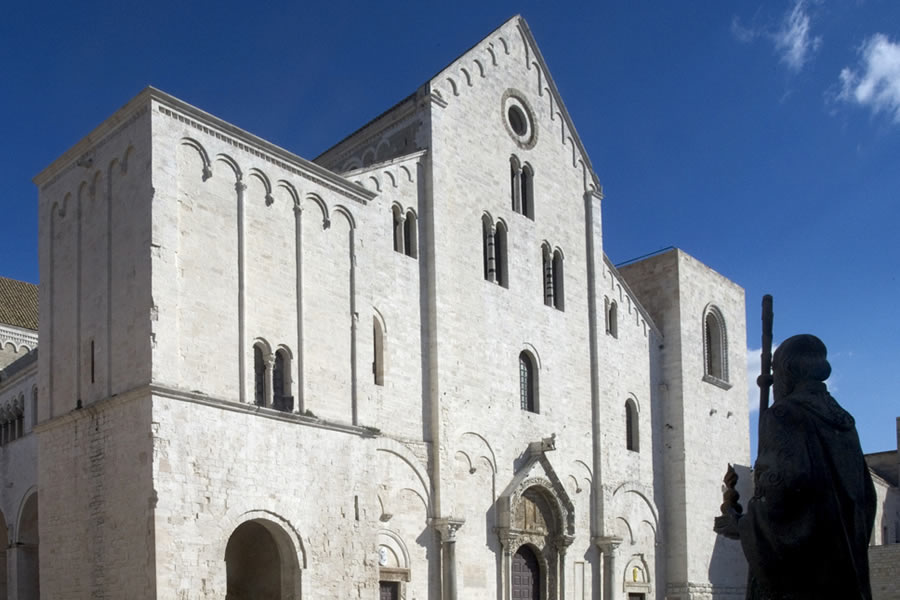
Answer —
(264, 558)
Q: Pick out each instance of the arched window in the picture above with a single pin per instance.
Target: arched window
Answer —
(632, 434)
(612, 318)
(281, 382)
(487, 246)
(259, 376)
(558, 296)
(527, 383)
(378, 351)
(547, 274)
(500, 261)
(397, 214)
(527, 191)
(521, 187)
(410, 235)
(715, 345)
(515, 170)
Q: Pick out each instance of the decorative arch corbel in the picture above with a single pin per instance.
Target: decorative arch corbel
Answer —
(254, 172)
(192, 143)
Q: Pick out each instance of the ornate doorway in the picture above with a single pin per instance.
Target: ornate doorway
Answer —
(526, 575)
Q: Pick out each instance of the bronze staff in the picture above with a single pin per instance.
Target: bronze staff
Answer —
(764, 381)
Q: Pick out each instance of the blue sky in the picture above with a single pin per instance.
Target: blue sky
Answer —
(762, 138)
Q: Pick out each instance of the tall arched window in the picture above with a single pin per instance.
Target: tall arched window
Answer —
(547, 274)
(612, 318)
(558, 296)
(281, 382)
(632, 434)
(715, 345)
(500, 260)
(410, 235)
(377, 351)
(487, 247)
(397, 215)
(527, 383)
(515, 170)
(527, 191)
(521, 187)
(259, 376)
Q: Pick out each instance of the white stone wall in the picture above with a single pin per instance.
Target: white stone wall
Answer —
(275, 473)
(705, 425)
(212, 240)
(94, 246)
(97, 500)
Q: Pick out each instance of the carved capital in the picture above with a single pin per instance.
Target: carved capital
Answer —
(607, 543)
(239, 186)
(447, 528)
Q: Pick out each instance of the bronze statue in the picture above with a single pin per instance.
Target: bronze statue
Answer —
(806, 529)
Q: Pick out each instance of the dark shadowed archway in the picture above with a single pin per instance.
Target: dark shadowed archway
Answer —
(261, 563)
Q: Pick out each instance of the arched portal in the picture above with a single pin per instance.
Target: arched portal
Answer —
(526, 575)
(261, 563)
(28, 572)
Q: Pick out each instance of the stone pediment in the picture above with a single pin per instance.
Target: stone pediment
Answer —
(536, 494)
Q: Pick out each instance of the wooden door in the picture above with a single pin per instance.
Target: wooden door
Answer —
(526, 575)
(390, 590)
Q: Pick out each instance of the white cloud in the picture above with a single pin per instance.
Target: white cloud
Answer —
(741, 33)
(793, 39)
(875, 84)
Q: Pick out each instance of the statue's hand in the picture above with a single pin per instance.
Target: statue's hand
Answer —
(727, 524)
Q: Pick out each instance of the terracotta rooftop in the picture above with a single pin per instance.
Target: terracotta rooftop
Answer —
(18, 303)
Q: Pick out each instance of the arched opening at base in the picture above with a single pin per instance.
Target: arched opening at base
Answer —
(261, 563)
(526, 575)
(28, 575)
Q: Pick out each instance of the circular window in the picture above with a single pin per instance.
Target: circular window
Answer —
(517, 120)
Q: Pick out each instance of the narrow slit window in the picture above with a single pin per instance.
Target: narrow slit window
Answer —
(527, 191)
(547, 274)
(410, 235)
(558, 281)
(259, 376)
(397, 219)
(500, 255)
(632, 437)
(377, 351)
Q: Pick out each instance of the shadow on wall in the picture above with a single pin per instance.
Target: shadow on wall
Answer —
(727, 565)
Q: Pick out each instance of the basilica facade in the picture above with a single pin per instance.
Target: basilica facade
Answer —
(404, 369)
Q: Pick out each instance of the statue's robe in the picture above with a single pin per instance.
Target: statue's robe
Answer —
(807, 527)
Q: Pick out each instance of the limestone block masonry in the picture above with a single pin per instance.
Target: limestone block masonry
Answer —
(406, 369)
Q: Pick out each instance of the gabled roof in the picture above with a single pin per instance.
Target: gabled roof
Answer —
(473, 60)
(462, 67)
(18, 303)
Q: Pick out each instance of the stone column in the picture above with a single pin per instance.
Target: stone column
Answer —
(517, 191)
(269, 385)
(12, 571)
(507, 546)
(607, 546)
(298, 261)
(239, 187)
(447, 528)
(562, 544)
